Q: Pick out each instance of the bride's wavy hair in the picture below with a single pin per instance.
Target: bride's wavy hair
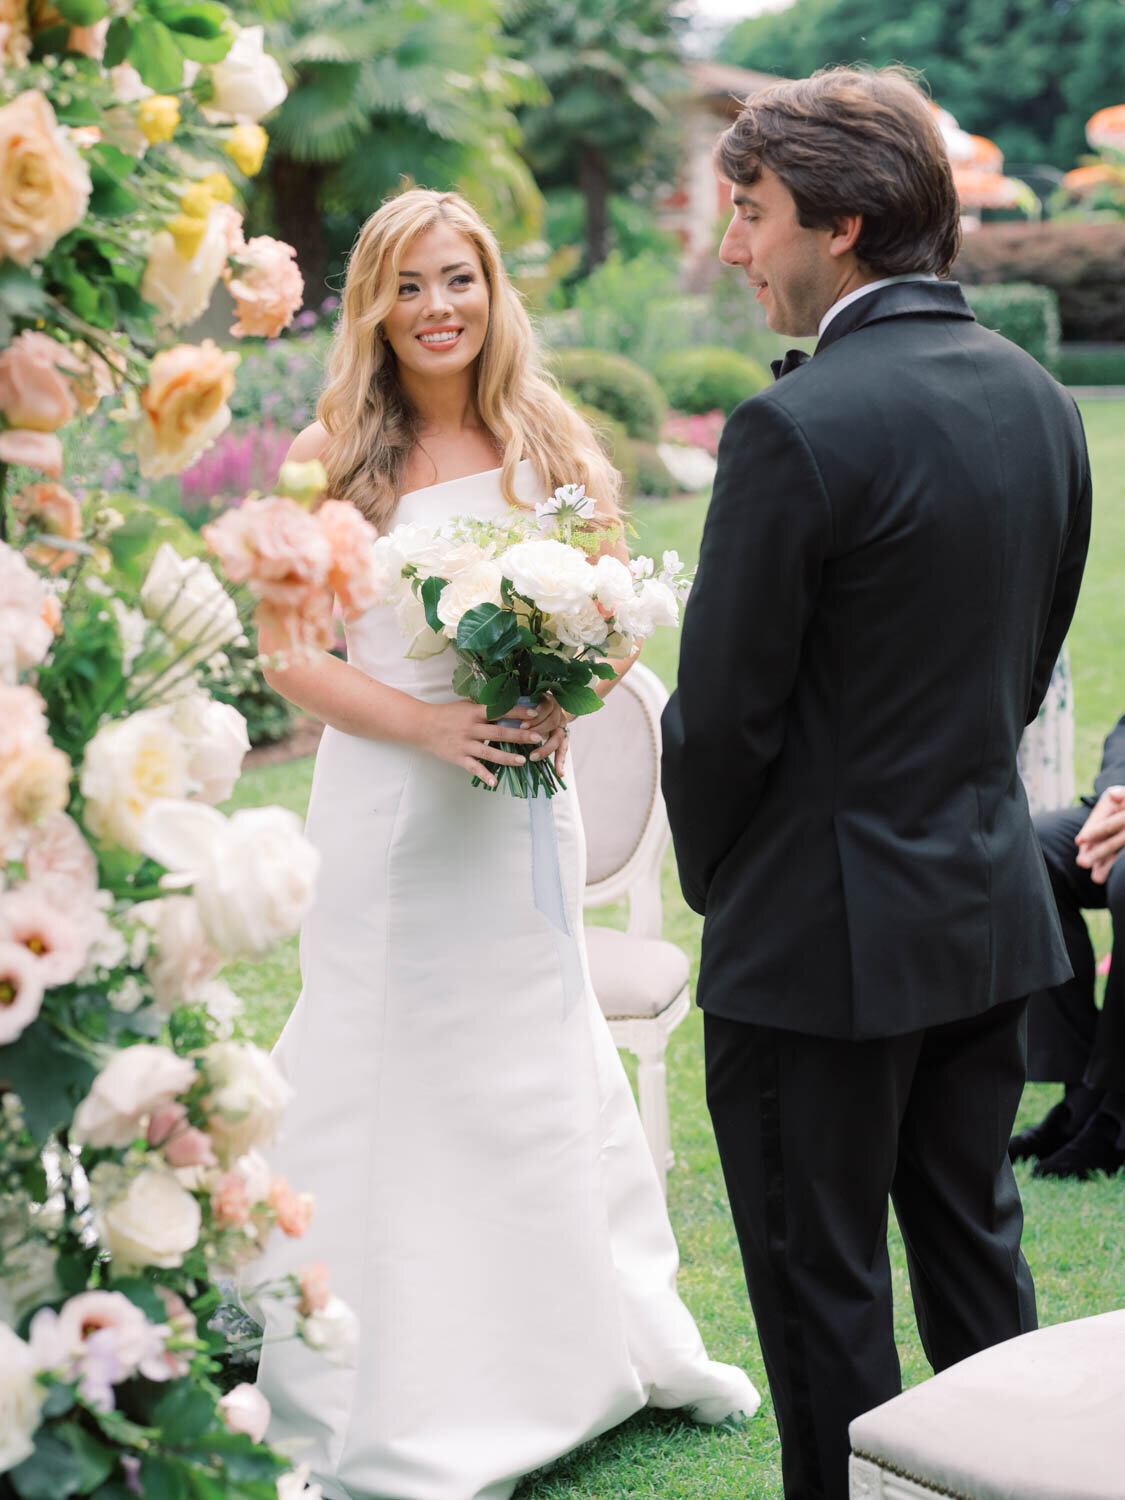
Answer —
(371, 423)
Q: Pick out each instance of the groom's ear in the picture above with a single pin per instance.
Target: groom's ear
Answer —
(845, 234)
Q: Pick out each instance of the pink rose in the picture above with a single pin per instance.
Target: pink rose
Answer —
(352, 575)
(182, 1144)
(293, 1210)
(133, 1085)
(306, 626)
(34, 450)
(316, 1288)
(245, 1409)
(267, 287)
(21, 990)
(89, 40)
(34, 391)
(61, 863)
(273, 544)
(230, 1201)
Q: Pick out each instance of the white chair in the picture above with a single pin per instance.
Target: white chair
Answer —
(640, 980)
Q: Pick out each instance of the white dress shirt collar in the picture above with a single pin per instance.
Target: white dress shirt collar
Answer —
(862, 291)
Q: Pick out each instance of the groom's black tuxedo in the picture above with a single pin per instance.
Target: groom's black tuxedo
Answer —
(890, 563)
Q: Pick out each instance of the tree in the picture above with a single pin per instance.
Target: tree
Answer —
(612, 68)
(1026, 73)
(422, 90)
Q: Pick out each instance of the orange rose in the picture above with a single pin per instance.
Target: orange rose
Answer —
(183, 407)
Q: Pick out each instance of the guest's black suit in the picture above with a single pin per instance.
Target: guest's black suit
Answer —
(890, 562)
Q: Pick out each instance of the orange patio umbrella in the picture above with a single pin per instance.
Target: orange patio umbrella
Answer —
(1106, 128)
(1084, 180)
(977, 189)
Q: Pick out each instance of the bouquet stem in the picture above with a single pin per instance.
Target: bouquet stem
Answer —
(529, 779)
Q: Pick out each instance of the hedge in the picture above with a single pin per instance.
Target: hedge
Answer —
(614, 439)
(1083, 263)
(709, 378)
(615, 386)
(1026, 314)
(1086, 364)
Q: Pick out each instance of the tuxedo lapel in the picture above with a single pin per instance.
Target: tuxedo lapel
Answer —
(905, 299)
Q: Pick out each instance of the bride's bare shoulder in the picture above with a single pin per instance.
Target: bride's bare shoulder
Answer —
(308, 444)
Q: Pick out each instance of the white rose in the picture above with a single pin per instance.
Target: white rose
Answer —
(247, 82)
(180, 960)
(253, 875)
(135, 1082)
(584, 626)
(434, 554)
(655, 605)
(333, 1331)
(180, 289)
(185, 598)
(421, 641)
(21, 1400)
(245, 1409)
(153, 1222)
(479, 583)
(613, 582)
(386, 563)
(129, 763)
(246, 1099)
(295, 1486)
(217, 740)
(555, 577)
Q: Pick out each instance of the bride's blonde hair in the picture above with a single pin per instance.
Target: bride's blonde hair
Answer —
(371, 424)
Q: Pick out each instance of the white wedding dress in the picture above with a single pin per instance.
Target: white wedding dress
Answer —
(485, 1200)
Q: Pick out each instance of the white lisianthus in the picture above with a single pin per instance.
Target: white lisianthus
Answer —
(245, 1409)
(253, 875)
(21, 1400)
(479, 583)
(134, 1083)
(613, 582)
(295, 1486)
(641, 567)
(555, 577)
(146, 1220)
(333, 1331)
(654, 605)
(181, 289)
(180, 960)
(185, 598)
(129, 764)
(410, 614)
(247, 83)
(217, 741)
(434, 554)
(570, 501)
(584, 626)
(246, 1099)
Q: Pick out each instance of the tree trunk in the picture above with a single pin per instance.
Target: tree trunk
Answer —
(295, 189)
(593, 182)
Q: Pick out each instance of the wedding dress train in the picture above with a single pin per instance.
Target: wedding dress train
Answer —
(485, 1200)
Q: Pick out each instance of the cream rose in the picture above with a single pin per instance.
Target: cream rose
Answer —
(613, 582)
(149, 1220)
(34, 390)
(44, 183)
(217, 740)
(253, 875)
(584, 626)
(245, 1409)
(247, 83)
(183, 407)
(134, 1083)
(479, 583)
(129, 764)
(266, 286)
(552, 575)
(180, 960)
(21, 1400)
(421, 641)
(180, 289)
(184, 597)
(246, 1099)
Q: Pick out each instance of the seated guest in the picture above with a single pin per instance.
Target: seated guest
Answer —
(1069, 1040)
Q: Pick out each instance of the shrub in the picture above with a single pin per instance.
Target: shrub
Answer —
(240, 460)
(280, 381)
(1083, 263)
(653, 476)
(1026, 314)
(701, 380)
(269, 717)
(698, 430)
(614, 385)
(1086, 364)
(631, 307)
(614, 440)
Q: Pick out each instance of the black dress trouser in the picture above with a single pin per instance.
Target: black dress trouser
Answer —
(1068, 1039)
(815, 1134)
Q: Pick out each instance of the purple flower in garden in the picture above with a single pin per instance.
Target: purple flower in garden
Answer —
(306, 319)
(330, 304)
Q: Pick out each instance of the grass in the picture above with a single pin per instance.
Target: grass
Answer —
(1073, 1238)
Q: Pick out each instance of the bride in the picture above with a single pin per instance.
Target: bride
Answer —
(485, 1198)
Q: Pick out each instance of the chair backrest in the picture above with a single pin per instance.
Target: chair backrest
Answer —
(616, 755)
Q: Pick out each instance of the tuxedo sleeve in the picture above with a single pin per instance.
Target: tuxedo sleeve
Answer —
(767, 533)
(1067, 582)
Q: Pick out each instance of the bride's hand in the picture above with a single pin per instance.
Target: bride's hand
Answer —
(552, 722)
(460, 732)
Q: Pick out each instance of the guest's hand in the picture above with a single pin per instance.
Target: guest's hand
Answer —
(460, 732)
(552, 722)
(1102, 837)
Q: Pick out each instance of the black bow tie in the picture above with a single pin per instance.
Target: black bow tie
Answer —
(794, 359)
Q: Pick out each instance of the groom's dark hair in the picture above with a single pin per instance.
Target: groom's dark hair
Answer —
(855, 140)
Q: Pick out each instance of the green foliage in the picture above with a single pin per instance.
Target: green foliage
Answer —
(1026, 314)
(281, 380)
(633, 229)
(1089, 365)
(631, 307)
(1025, 73)
(614, 385)
(269, 717)
(709, 378)
(653, 478)
(615, 442)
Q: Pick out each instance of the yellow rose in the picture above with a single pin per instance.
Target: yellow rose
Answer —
(187, 234)
(219, 185)
(246, 146)
(183, 407)
(44, 183)
(158, 117)
(196, 201)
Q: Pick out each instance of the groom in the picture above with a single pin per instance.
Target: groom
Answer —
(890, 562)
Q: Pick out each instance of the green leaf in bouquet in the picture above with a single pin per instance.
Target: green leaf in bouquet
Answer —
(21, 295)
(51, 1473)
(184, 1413)
(82, 12)
(142, 1294)
(204, 1487)
(488, 630)
(118, 40)
(60, 1398)
(78, 110)
(244, 1460)
(162, 1478)
(110, 198)
(50, 42)
(72, 1270)
(119, 1429)
(96, 1462)
(50, 1077)
(430, 594)
(577, 700)
(201, 30)
(499, 695)
(156, 56)
(464, 679)
(602, 669)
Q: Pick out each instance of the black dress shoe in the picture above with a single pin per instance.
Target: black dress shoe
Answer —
(1093, 1149)
(1052, 1133)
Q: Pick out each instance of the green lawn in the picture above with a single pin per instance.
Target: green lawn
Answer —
(1073, 1238)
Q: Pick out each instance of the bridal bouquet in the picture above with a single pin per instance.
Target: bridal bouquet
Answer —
(524, 610)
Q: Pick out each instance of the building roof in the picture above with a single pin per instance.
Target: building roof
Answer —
(715, 80)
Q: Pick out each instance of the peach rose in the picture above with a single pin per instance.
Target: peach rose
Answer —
(44, 183)
(352, 575)
(182, 1144)
(88, 40)
(274, 545)
(266, 286)
(34, 450)
(34, 391)
(50, 508)
(230, 1201)
(96, 375)
(294, 1211)
(316, 1288)
(183, 407)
